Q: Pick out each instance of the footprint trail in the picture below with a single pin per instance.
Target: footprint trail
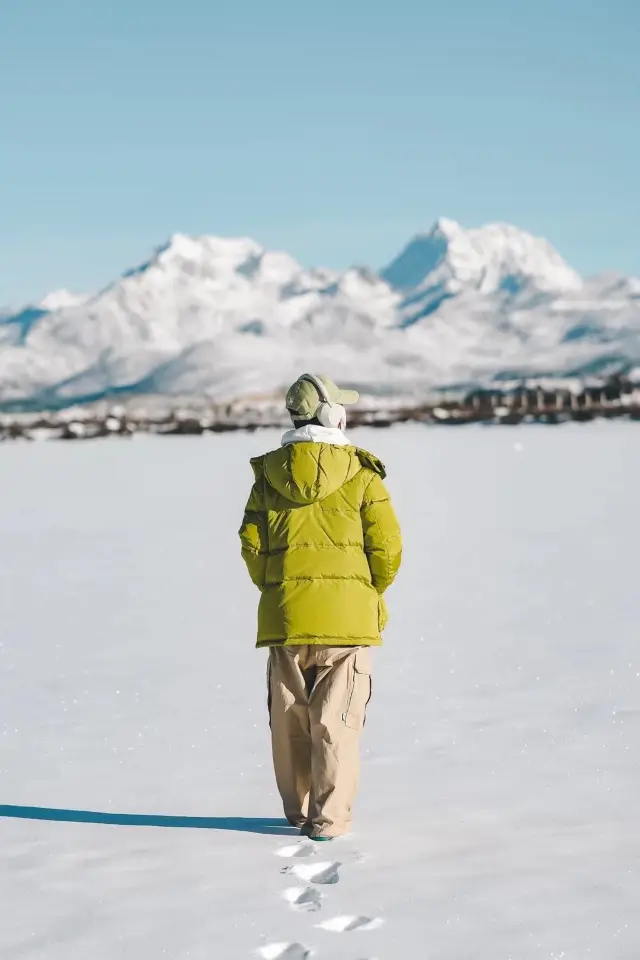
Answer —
(305, 897)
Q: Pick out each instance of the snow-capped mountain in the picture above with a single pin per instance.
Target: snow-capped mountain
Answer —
(228, 318)
(492, 258)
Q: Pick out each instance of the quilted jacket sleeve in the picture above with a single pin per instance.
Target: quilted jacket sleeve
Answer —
(382, 537)
(253, 535)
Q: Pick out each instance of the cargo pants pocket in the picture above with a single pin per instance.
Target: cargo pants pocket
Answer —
(358, 689)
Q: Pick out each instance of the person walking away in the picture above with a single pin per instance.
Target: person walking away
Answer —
(321, 541)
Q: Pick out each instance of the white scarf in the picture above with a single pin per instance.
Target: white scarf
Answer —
(311, 433)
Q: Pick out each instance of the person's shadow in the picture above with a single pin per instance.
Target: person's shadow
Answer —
(239, 824)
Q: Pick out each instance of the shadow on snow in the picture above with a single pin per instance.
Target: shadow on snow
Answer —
(237, 824)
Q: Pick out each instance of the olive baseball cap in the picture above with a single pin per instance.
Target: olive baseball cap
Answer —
(303, 398)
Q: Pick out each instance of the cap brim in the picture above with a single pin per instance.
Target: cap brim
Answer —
(347, 397)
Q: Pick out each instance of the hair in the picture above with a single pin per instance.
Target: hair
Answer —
(306, 423)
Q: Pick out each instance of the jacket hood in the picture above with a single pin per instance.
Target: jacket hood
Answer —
(309, 472)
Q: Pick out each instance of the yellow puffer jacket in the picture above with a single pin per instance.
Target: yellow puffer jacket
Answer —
(322, 542)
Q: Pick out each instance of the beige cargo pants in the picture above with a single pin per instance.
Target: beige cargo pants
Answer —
(317, 701)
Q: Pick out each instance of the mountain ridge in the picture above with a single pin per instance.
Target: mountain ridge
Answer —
(224, 317)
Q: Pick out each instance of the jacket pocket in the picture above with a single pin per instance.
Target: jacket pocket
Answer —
(358, 689)
(383, 614)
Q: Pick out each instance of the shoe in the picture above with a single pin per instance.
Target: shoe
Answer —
(300, 824)
(307, 831)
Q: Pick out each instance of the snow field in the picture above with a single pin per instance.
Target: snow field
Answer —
(497, 817)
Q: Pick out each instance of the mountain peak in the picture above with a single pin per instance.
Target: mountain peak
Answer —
(487, 259)
(444, 227)
(181, 246)
(202, 256)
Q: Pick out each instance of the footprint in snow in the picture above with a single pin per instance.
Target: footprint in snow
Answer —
(323, 872)
(284, 951)
(347, 923)
(297, 851)
(303, 898)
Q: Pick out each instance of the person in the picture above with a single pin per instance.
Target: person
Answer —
(321, 541)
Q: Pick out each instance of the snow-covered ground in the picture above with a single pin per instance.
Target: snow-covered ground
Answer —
(499, 815)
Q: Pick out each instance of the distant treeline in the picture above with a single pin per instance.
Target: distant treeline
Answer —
(615, 398)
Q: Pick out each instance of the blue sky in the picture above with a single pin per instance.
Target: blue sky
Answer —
(334, 130)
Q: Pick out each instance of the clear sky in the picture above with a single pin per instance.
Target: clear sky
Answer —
(333, 129)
